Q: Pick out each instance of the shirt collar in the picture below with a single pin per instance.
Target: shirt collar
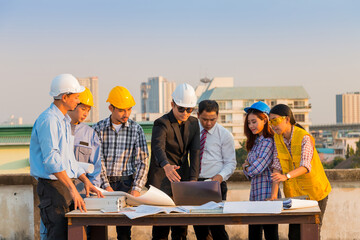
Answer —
(259, 138)
(108, 122)
(211, 131)
(59, 114)
(288, 142)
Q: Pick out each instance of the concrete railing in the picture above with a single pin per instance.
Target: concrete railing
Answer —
(20, 214)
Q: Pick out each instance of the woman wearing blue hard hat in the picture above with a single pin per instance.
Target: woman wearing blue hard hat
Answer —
(257, 167)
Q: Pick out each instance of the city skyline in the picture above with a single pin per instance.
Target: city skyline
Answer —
(262, 43)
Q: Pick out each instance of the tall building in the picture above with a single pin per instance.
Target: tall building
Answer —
(348, 108)
(92, 84)
(156, 95)
(233, 100)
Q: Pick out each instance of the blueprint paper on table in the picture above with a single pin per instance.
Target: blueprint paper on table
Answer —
(253, 207)
(146, 210)
(153, 196)
(299, 203)
(210, 207)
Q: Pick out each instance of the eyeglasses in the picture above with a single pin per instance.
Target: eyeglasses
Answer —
(276, 121)
(182, 109)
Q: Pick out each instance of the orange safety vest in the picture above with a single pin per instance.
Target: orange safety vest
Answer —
(315, 184)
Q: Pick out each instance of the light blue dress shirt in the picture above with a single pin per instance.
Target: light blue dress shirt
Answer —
(87, 149)
(52, 146)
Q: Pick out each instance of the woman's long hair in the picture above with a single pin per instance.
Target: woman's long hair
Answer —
(267, 131)
(285, 111)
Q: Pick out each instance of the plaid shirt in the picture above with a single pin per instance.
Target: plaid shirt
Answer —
(124, 153)
(307, 152)
(260, 159)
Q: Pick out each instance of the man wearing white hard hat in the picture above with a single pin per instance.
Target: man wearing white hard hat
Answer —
(52, 160)
(175, 139)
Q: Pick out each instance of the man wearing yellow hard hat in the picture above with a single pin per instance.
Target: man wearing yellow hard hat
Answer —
(124, 149)
(86, 141)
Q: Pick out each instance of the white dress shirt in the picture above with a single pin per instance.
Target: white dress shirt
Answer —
(219, 153)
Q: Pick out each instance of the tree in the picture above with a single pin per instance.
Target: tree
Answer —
(347, 155)
(357, 152)
(351, 151)
(241, 155)
(333, 163)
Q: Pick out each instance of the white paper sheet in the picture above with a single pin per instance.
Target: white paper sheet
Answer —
(146, 210)
(207, 206)
(301, 203)
(253, 207)
(153, 196)
(210, 207)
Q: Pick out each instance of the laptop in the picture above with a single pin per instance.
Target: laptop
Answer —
(196, 193)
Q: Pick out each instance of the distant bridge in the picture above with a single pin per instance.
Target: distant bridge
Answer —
(336, 127)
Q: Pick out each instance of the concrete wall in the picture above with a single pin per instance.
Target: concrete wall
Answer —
(17, 208)
(20, 215)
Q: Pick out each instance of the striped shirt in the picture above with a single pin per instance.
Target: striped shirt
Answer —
(307, 151)
(124, 153)
(260, 159)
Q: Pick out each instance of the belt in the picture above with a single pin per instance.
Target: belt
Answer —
(53, 180)
(203, 179)
(119, 178)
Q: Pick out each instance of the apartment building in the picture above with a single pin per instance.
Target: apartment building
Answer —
(156, 97)
(348, 108)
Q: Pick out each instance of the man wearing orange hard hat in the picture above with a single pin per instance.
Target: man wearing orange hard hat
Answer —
(124, 150)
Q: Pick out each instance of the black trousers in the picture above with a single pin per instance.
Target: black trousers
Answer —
(55, 202)
(162, 232)
(270, 231)
(216, 232)
(122, 184)
(294, 229)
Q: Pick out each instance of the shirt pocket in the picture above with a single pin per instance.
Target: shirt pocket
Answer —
(82, 153)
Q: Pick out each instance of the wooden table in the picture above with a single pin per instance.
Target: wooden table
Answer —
(307, 217)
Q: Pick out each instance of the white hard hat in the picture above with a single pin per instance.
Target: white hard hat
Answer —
(184, 96)
(65, 83)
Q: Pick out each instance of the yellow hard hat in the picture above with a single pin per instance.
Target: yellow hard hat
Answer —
(121, 98)
(86, 97)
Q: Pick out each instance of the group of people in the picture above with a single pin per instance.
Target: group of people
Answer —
(183, 148)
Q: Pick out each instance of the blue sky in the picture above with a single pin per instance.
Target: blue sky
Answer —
(260, 43)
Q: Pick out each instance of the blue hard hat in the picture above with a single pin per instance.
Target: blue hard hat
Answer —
(260, 106)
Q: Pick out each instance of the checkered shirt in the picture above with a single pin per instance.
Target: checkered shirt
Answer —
(260, 159)
(124, 153)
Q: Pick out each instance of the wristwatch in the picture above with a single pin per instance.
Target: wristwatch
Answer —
(288, 176)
